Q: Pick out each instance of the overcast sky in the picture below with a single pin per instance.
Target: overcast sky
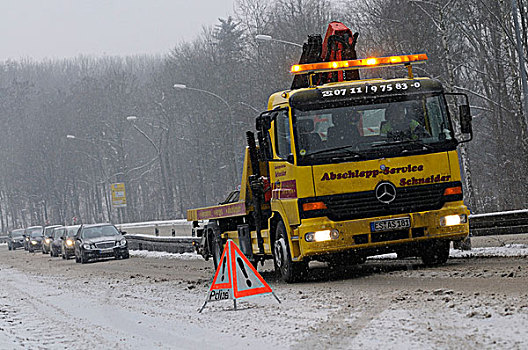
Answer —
(39, 29)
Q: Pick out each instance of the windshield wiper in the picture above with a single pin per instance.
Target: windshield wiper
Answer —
(334, 149)
(404, 142)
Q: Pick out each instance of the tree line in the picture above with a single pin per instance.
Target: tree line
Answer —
(178, 148)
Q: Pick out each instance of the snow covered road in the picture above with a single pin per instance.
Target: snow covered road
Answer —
(152, 302)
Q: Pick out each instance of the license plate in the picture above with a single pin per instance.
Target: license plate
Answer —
(391, 224)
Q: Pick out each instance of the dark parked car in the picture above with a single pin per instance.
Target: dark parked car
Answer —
(68, 241)
(100, 241)
(15, 239)
(48, 237)
(34, 237)
(56, 243)
(27, 233)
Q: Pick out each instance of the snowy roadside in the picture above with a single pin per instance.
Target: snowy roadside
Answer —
(508, 250)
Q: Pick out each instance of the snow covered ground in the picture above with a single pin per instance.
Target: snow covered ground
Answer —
(151, 300)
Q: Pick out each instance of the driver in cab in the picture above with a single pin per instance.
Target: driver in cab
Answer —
(402, 122)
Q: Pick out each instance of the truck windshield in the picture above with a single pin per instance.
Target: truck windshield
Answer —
(386, 127)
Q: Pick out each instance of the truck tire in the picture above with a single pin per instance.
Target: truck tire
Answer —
(435, 253)
(289, 270)
(217, 249)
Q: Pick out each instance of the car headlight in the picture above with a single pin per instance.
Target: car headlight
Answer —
(34, 242)
(48, 241)
(452, 220)
(321, 236)
(69, 242)
(123, 242)
(86, 246)
(27, 238)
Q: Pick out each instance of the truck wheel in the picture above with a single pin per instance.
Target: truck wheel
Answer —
(218, 249)
(435, 253)
(289, 270)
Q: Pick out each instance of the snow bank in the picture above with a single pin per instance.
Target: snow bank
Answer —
(164, 255)
(509, 250)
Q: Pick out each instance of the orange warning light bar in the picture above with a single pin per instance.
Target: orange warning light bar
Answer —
(371, 62)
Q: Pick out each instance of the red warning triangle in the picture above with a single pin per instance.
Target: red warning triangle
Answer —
(246, 280)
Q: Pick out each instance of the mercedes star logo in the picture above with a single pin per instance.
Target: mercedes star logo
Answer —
(385, 192)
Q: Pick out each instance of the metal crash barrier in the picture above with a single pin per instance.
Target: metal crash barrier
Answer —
(500, 223)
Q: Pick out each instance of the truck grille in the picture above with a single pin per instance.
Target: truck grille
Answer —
(360, 205)
(105, 245)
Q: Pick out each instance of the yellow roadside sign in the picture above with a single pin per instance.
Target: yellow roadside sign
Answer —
(118, 195)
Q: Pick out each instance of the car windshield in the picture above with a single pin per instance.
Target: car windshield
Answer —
(35, 232)
(416, 122)
(17, 234)
(99, 231)
(48, 231)
(58, 233)
(72, 231)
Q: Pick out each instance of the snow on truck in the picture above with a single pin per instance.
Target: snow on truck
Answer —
(346, 168)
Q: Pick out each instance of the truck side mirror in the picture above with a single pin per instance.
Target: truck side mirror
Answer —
(263, 121)
(465, 119)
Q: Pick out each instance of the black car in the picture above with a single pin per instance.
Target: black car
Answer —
(68, 241)
(48, 237)
(15, 239)
(56, 243)
(31, 230)
(34, 238)
(100, 241)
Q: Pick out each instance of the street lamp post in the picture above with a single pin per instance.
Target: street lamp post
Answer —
(262, 37)
(231, 118)
(165, 187)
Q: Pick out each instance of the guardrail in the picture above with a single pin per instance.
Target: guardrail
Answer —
(161, 244)
(166, 228)
(500, 223)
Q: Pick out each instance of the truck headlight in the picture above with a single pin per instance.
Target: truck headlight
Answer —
(452, 220)
(69, 242)
(321, 236)
(48, 241)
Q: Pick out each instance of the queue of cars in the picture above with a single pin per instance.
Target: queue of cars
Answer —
(84, 242)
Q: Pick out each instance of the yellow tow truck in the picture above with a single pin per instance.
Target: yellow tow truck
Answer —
(346, 168)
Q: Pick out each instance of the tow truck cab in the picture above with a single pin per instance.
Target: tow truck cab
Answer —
(357, 187)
